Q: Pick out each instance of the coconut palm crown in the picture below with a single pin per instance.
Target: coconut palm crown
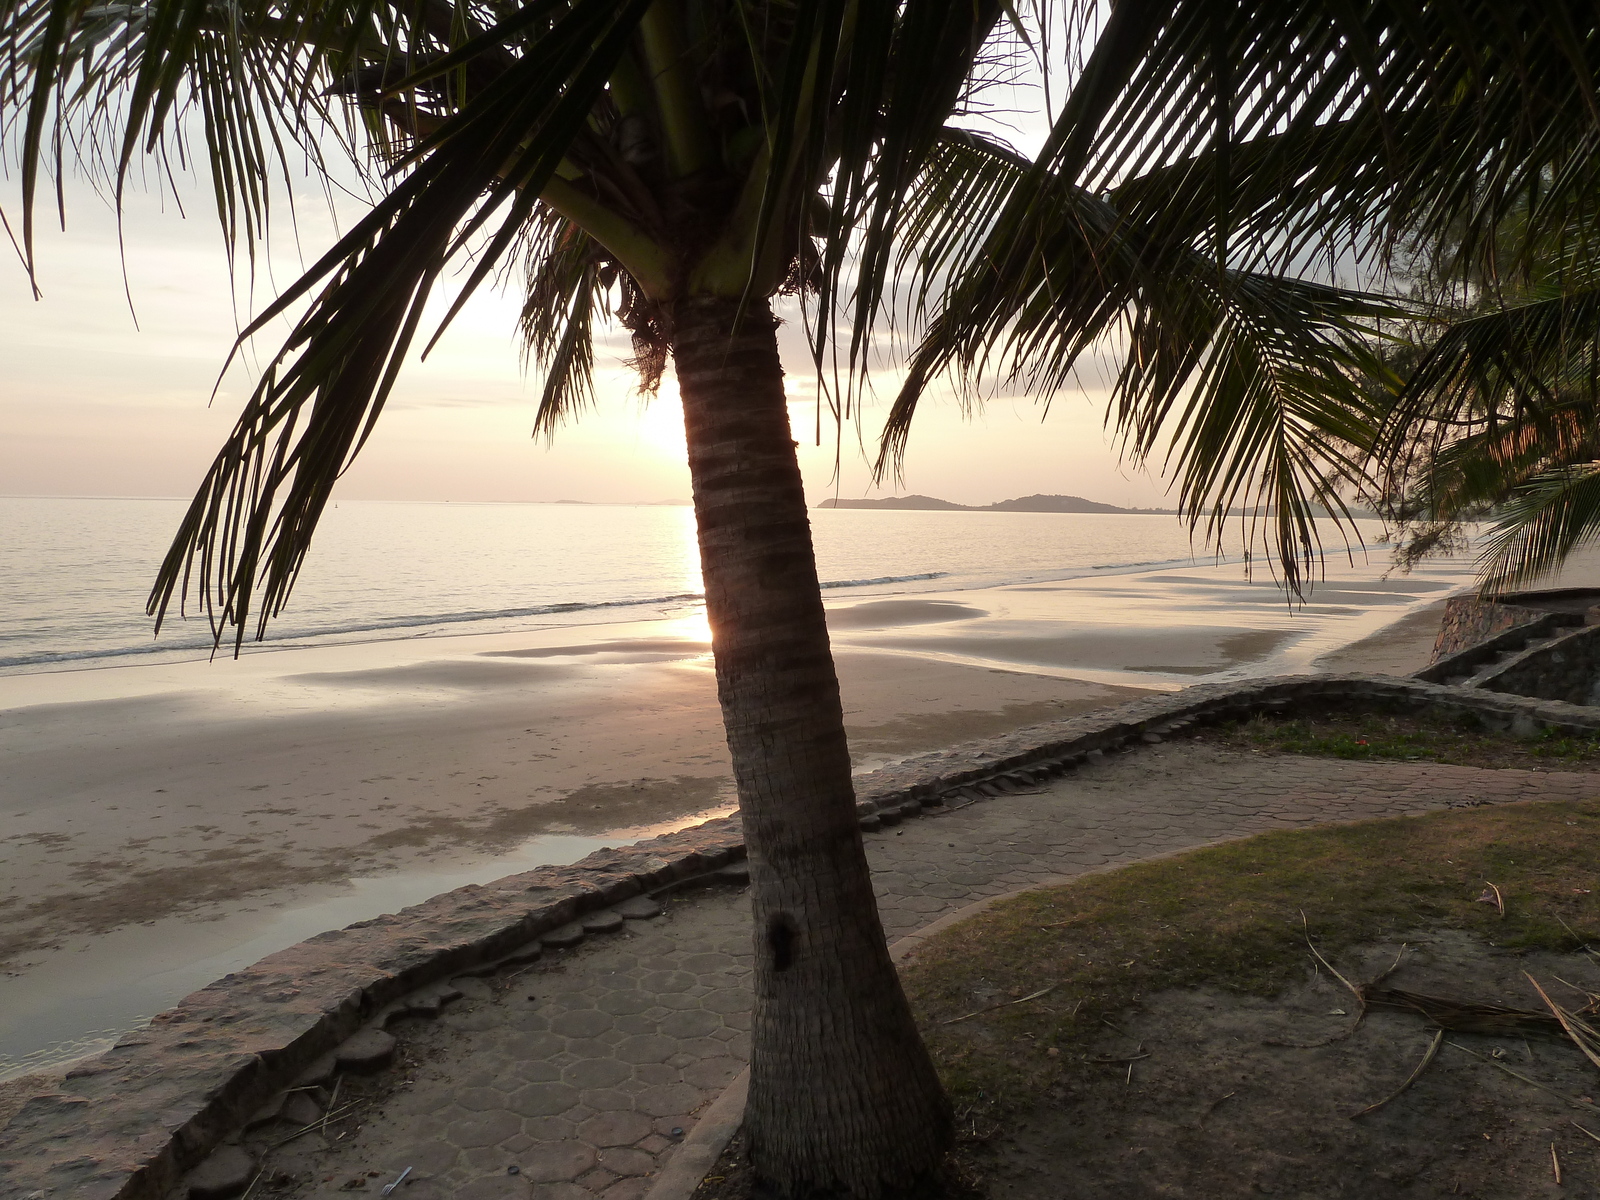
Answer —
(675, 165)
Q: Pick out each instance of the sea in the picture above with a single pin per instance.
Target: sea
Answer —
(75, 573)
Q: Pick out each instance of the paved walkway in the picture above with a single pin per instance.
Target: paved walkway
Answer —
(576, 1076)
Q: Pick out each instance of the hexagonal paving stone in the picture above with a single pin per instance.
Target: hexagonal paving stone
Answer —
(730, 1001)
(725, 981)
(597, 1073)
(627, 1189)
(548, 1129)
(694, 1022)
(581, 1023)
(624, 1160)
(596, 1181)
(579, 1049)
(559, 1191)
(484, 1129)
(615, 1129)
(680, 1000)
(662, 983)
(542, 1099)
(669, 1098)
(480, 1099)
(653, 1073)
(622, 1003)
(540, 1071)
(706, 1047)
(650, 1048)
(700, 963)
(606, 1099)
(493, 1187)
(712, 1073)
(557, 1161)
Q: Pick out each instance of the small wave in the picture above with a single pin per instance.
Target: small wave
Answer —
(1154, 562)
(283, 636)
(296, 636)
(839, 583)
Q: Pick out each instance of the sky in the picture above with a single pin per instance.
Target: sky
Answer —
(101, 398)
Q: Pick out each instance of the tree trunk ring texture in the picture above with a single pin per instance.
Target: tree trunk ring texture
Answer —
(838, 1072)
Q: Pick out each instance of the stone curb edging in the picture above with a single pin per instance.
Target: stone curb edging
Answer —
(698, 1152)
(129, 1124)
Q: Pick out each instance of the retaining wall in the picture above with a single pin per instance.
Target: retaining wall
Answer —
(1515, 638)
(129, 1123)
(1469, 621)
(1568, 669)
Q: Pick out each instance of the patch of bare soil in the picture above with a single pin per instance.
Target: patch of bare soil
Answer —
(1201, 1093)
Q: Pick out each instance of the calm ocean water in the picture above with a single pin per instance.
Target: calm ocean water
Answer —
(74, 573)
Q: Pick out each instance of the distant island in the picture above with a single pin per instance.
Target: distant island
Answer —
(1050, 504)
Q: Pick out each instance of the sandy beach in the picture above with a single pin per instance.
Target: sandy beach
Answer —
(165, 824)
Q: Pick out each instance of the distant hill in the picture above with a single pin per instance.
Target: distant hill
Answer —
(1053, 504)
(1061, 504)
(917, 502)
(1046, 504)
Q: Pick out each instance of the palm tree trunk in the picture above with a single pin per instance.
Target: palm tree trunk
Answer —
(844, 1099)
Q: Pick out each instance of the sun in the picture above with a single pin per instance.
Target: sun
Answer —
(660, 423)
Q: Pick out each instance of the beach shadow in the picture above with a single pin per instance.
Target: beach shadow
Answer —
(1178, 650)
(881, 614)
(619, 652)
(458, 675)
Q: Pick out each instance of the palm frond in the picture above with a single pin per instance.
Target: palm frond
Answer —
(1548, 518)
(565, 282)
(1428, 116)
(1249, 380)
(252, 521)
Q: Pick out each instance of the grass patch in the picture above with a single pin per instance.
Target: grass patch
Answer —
(1409, 737)
(1229, 917)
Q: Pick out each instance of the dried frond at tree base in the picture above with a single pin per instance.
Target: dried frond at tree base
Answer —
(1228, 917)
(1466, 1016)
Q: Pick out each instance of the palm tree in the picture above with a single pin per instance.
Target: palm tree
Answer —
(674, 165)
